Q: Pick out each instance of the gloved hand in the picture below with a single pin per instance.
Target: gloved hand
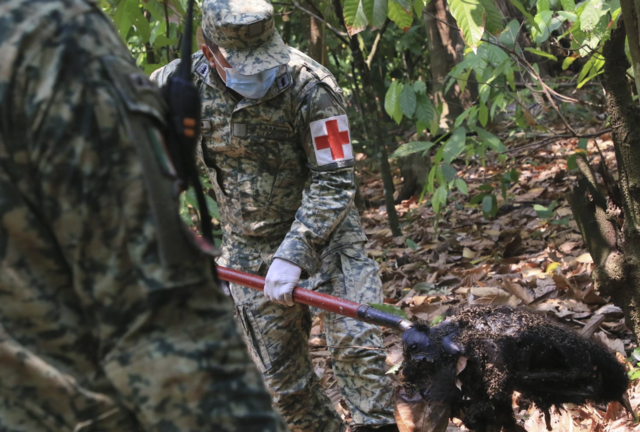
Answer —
(281, 279)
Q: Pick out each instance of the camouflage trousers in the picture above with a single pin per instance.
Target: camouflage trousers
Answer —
(278, 338)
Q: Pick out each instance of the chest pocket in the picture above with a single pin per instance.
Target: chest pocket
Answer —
(266, 153)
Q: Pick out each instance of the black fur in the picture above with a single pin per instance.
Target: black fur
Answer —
(507, 350)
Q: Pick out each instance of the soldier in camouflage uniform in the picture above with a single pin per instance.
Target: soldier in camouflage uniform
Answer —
(282, 168)
(108, 322)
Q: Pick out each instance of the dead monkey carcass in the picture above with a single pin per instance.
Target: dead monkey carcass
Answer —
(475, 360)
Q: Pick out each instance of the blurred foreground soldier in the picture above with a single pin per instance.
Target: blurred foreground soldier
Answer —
(110, 319)
(277, 143)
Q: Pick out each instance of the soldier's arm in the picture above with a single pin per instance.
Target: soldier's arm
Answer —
(326, 201)
(161, 76)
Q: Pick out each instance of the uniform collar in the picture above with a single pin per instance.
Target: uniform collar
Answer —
(211, 78)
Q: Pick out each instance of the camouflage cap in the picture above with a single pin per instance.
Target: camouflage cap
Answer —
(245, 33)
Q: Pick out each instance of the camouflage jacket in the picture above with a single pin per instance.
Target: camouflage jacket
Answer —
(267, 180)
(102, 326)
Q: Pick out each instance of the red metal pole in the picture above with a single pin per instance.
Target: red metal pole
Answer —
(300, 295)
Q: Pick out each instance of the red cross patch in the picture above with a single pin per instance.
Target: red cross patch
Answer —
(332, 139)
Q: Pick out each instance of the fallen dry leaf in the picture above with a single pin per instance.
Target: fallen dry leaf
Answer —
(416, 415)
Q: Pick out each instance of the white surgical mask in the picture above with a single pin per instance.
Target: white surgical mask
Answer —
(249, 86)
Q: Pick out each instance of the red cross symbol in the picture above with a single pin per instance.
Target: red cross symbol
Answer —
(334, 140)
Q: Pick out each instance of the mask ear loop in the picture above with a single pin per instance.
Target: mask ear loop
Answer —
(218, 63)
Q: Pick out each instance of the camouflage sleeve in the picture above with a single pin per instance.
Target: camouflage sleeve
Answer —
(327, 200)
(165, 334)
(162, 75)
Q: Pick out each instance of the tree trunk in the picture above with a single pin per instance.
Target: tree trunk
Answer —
(373, 115)
(447, 46)
(609, 215)
(317, 50)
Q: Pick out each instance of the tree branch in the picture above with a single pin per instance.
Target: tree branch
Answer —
(166, 18)
(376, 43)
(341, 35)
(551, 139)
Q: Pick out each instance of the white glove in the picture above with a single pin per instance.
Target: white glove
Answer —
(225, 287)
(282, 278)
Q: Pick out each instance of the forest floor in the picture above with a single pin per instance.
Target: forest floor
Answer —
(517, 258)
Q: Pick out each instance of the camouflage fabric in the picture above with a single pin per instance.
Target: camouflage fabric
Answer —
(276, 200)
(279, 337)
(245, 33)
(266, 178)
(103, 328)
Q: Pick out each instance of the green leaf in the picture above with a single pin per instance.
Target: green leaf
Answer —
(400, 16)
(478, 198)
(509, 34)
(420, 87)
(162, 41)
(526, 13)
(462, 117)
(569, 16)
(542, 5)
(455, 145)
(487, 204)
(138, 20)
(494, 23)
(178, 7)
(568, 61)
(376, 11)
(568, 5)
(564, 221)
(591, 15)
(405, 4)
(583, 143)
(418, 6)
(354, 16)
(389, 309)
(410, 243)
(571, 162)
(596, 69)
(450, 173)
(212, 206)
(483, 114)
(437, 320)
(392, 101)
(542, 211)
(122, 20)
(439, 198)
(470, 16)
(541, 53)
(462, 186)
(440, 175)
(585, 69)
(425, 113)
(548, 22)
(408, 101)
(490, 205)
(411, 148)
(491, 140)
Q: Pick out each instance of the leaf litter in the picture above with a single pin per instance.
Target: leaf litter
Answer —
(516, 258)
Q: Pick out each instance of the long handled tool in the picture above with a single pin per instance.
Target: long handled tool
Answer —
(325, 302)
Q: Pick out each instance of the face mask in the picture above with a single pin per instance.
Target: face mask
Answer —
(249, 86)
